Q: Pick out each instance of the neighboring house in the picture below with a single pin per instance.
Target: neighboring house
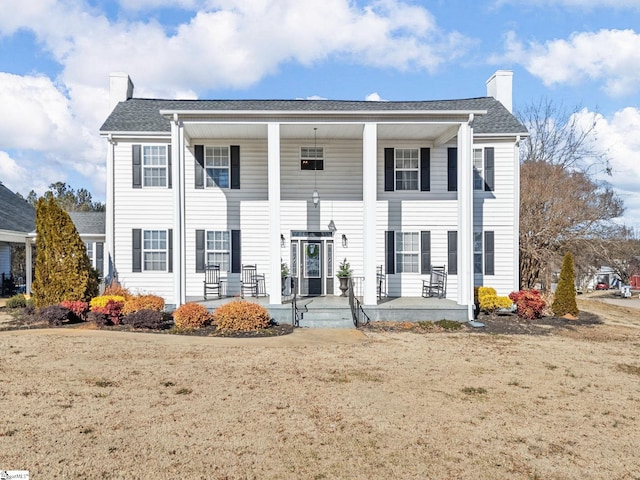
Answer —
(403, 185)
(91, 228)
(17, 219)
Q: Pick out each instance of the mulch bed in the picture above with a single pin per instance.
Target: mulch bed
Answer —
(508, 324)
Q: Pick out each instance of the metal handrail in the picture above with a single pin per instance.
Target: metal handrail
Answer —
(357, 312)
(297, 313)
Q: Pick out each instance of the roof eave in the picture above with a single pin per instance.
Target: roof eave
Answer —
(462, 113)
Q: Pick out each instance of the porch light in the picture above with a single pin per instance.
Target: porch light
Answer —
(345, 241)
(332, 225)
(282, 242)
(316, 198)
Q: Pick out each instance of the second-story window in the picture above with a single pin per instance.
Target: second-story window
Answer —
(154, 165)
(407, 168)
(216, 164)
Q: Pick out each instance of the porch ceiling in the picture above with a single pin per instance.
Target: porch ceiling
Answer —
(386, 131)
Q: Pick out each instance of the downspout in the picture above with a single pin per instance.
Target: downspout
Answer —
(516, 216)
(110, 210)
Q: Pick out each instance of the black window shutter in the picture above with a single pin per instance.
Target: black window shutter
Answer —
(100, 257)
(489, 253)
(452, 169)
(200, 262)
(489, 169)
(236, 254)
(425, 252)
(235, 166)
(170, 254)
(390, 250)
(198, 152)
(169, 166)
(389, 170)
(452, 252)
(136, 155)
(137, 250)
(425, 169)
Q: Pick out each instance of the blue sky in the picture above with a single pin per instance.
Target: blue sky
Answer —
(56, 55)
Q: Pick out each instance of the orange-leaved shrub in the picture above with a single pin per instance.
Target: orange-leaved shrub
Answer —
(241, 315)
(114, 288)
(143, 302)
(191, 315)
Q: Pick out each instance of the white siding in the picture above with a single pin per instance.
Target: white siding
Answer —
(340, 188)
(144, 208)
(494, 211)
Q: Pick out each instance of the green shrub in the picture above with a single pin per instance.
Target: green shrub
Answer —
(565, 299)
(17, 301)
(241, 315)
(191, 315)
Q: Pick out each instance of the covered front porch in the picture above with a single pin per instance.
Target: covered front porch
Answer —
(334, 312)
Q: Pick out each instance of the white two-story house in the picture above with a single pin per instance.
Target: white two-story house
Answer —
(398, 185)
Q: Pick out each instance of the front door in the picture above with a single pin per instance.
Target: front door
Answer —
(312, 255)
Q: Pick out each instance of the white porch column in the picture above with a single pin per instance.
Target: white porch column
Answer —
(369, 197)
(273, 161)
(28, 245)
(177, 173)
(465, 216)
(109, 207)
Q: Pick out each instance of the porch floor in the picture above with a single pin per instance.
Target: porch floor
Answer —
(333, 311)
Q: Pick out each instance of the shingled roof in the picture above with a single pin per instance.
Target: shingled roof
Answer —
(89, 223)
(16, 214)
(143, 115)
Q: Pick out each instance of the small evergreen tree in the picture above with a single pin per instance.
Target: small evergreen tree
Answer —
(565, 298)
(63, 269)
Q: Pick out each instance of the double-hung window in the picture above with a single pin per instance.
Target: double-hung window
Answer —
(483, 169)
(407, 167)
(311, 158)
(407, 252)
(478, 167)
(484, 252)
(477, 252)
(154, 165)
(154, 250)
(219, 249)
(216, 164)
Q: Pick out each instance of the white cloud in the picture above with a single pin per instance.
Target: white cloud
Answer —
(235, 43)
(608, 56)
(582, 4)
(374, 97)
(618, 134)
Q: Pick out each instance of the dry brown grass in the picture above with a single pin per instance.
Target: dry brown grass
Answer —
(95, 404)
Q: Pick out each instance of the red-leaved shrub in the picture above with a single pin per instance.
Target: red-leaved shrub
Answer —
(113, 310)
(78, 307)
(529, 303)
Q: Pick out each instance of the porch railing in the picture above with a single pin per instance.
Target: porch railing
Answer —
(297, 312)
(357, 313)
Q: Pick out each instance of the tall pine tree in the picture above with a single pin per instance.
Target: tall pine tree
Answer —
(565, 298)
(63, 269)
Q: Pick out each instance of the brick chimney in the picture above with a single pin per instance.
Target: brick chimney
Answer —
(500, 87)
(120, 88)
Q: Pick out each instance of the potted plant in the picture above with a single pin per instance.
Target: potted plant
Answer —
(344, 272)
(284, 273)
